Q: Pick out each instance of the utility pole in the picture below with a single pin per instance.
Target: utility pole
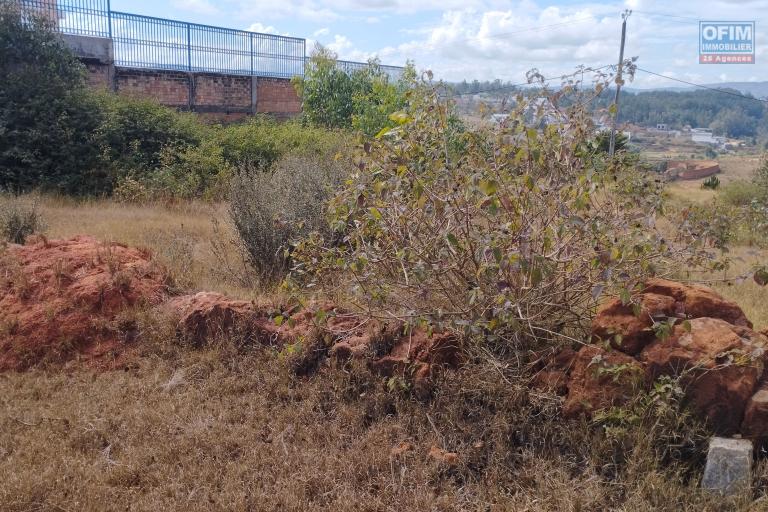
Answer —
(624, 17)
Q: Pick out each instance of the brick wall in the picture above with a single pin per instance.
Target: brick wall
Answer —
(222, 91)
(167, 87)
(219, 97)
(98, 76)
(277, 96)
(692, 169)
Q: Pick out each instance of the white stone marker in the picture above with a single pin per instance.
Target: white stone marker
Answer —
(729, 466)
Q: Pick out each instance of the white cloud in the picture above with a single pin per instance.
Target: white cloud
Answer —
(264, 29)
(505, 43)
(489, 39)
(346, 50)
(197, 6)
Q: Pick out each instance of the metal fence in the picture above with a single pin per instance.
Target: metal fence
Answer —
(158, 43)
(349, 67)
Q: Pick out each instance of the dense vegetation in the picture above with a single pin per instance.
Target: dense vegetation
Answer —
(724, 114)
(363, 99)
(57, 135)
(46, 117)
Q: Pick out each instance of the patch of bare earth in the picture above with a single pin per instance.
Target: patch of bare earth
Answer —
(72, 298)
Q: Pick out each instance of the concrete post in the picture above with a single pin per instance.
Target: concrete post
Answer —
(729, 466)
(254, 94)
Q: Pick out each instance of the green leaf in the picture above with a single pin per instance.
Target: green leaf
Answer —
(399, 117)
(625, 296)
(453, 240)
(488, 187)
(528, 182)
(375, 213)
(279, 320)
(761, 276)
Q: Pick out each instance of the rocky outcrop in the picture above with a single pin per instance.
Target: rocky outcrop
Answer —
(671, 329)
(79, 298)
(65, 298)
(390, 349)
(599, 379)
(629, 327)
(206, 316)
(720, 363)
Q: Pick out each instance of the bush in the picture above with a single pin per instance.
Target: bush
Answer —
(711, 183)
(19, 218)
(47, 119)
(362, 100)
(516, 238)
(260, 142)
(273, 210)
(738, 193)
(136, 133)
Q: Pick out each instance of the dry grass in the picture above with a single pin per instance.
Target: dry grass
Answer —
(751, 297)
(228, 429)
(734, 168)
(221, 430)
(181, 236)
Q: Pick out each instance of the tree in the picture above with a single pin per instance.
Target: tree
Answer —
(46, 115)
(733, 123)
(603, 141)
(326, 91)
(363, 100)
(375, 97)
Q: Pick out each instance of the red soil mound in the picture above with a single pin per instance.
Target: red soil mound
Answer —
(711, 346)
(322, 330)
(72, 297)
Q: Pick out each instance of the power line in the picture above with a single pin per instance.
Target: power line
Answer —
(536, 29)
(648, 13)
(512, 86)
(721, 91)
(674, 16)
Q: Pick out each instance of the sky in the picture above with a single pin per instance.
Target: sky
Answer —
(494, 39)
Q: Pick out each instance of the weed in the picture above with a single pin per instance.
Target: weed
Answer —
(19, 218)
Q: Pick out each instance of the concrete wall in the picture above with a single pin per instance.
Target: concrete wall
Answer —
(692, 169)
(217, 96)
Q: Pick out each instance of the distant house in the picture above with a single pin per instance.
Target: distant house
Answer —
(662, 127)
(705, 136)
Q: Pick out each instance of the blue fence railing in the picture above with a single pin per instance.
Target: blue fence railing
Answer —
(158, 43)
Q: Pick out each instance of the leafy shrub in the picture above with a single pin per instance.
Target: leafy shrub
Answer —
(748, 213)
(362, 100)
(711, 183)
(273, 210)
(326, 91)
(515, 238)
(260, 142)
(137, 133)
(46, 117)
(19, 218)
(738, 193)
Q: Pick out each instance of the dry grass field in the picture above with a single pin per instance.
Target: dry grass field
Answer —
(751, 297)
(194, 240)
(734, 168)
(223, 428)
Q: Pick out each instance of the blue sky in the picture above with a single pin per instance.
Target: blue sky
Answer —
(488, 39)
